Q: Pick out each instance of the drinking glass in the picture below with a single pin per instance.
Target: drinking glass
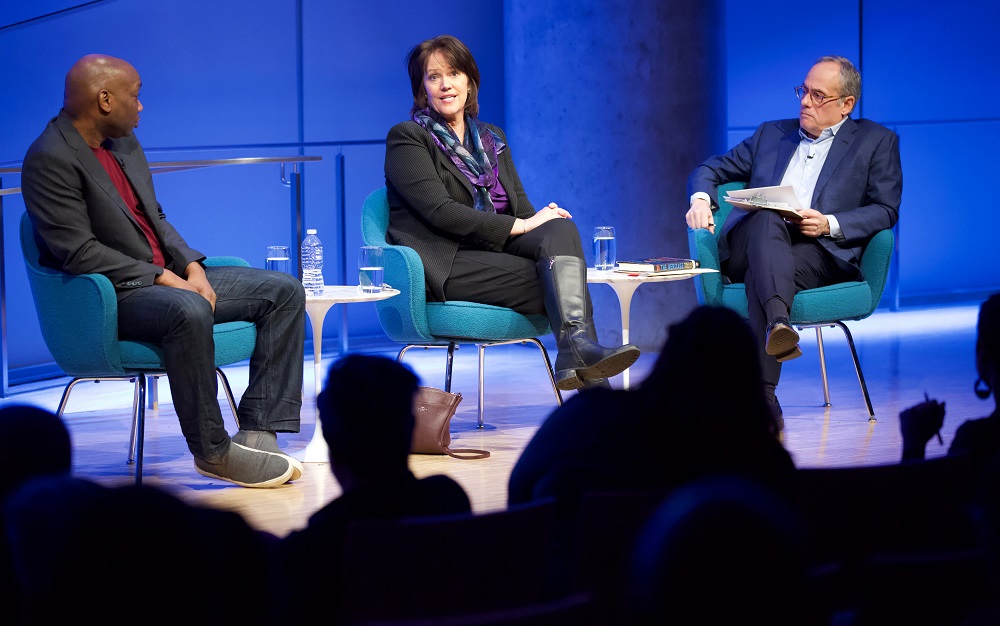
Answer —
(278, 260)
(370, 269)
(604, 248)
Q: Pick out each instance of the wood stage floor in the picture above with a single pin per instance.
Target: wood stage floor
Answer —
(903, 354)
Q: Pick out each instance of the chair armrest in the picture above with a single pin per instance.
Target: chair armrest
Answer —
(225, 261)
(704, 247)
(875, 263)
(404, 318)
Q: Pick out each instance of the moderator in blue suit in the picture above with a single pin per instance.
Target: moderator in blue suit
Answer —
(847, 172)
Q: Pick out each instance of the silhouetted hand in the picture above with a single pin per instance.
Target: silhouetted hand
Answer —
(918, 424)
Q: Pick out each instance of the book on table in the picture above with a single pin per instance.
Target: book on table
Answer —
(657, 265)
(780, 199)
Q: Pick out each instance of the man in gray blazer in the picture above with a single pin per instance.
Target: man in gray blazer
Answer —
(89, 192)
(848, 175)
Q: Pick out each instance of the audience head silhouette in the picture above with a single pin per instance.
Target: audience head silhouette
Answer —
(697, 345)
(366, 409)
(24, 431)
(719, 551)
(680, 424)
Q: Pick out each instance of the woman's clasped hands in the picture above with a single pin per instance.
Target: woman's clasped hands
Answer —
(551, 211)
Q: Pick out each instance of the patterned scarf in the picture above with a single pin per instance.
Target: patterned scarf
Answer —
(480, 167)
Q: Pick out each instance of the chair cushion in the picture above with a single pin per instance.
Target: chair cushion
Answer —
(482, 322)
(139, 356)
(843, 301)
(409, 318)
(234, 342)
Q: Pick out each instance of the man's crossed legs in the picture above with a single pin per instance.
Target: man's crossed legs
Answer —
(775, 262)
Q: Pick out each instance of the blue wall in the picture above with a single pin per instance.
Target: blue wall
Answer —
(229, 78)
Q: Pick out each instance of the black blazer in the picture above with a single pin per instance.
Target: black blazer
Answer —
(81, 222)
(431, 203)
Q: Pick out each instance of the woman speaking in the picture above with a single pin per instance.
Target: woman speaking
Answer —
(455, 197)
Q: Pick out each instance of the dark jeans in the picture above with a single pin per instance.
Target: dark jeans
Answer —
(181, 322)
(774, 260)
(509, 278)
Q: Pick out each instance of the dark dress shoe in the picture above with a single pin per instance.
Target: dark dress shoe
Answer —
(782, 340)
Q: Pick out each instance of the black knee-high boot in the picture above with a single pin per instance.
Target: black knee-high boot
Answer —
(567, 303)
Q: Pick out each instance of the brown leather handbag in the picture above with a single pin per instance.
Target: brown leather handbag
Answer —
(432, 412)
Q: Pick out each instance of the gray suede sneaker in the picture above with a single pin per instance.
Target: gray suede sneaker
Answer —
(247, 467)
(267, 441)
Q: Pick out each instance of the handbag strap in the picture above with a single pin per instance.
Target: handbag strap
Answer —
(466, 453)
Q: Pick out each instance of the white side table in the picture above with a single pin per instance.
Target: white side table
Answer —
(316, 308)
(625, 285)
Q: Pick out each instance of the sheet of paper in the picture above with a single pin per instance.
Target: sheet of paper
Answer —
(761, 196)
(781, 199)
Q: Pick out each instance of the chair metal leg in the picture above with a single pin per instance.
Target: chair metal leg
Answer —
(140, 421)
(451, 348)
(857, 368)
(854, 355)
(227, 389)
(97, 379)
(451, 357)
(399, 357)
(65, 395)
(548, 368)
(447, 371)
(482, 367)
(407, 347)
(137, 436)
(822, 366)
(134, 432)
(153, 392)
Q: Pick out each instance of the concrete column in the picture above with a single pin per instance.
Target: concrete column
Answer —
(609, 106)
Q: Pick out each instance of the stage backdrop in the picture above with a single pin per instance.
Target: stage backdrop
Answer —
(608, 106)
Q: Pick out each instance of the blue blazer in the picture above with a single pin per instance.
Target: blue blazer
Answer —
(861, 182)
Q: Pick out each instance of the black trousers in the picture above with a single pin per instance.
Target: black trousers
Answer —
(775, 261)
(509, 278)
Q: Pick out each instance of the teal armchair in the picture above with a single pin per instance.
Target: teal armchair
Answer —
(812, 308)
(411, 320)
(78, 316)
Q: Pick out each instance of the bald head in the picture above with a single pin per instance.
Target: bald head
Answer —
(102, 97)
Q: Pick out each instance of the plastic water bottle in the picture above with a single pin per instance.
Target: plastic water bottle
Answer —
(312, 264)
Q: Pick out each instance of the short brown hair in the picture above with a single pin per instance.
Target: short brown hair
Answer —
(455, 53)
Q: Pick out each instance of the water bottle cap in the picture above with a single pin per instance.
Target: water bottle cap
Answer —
(311, 231)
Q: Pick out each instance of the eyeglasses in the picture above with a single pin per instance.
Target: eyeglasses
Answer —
(817, 98)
